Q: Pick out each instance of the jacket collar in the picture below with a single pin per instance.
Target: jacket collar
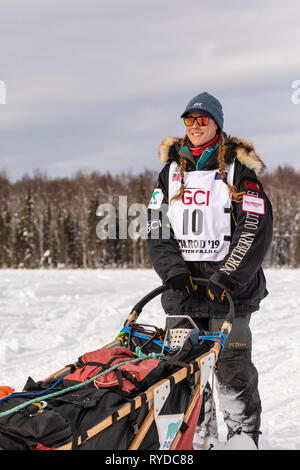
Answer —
(170, 150)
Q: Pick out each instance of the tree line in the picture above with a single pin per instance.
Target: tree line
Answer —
(51, 222)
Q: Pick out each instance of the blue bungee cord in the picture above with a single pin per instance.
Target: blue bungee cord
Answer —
(214, 336)
(29, 394)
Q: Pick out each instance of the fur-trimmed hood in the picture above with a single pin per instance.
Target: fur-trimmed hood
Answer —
(243, 149)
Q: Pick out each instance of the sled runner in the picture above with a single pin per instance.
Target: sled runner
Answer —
(142, 391)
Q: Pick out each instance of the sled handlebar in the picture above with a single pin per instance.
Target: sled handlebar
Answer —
(137, 309)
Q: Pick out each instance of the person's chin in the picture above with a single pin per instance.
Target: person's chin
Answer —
(199, 142)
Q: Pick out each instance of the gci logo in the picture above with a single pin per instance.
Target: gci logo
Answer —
(199, 197)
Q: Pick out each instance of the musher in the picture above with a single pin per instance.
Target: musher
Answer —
(209, 217)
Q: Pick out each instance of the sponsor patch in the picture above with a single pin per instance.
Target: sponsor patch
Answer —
(156, 199)
(253, 204)
(252, 185)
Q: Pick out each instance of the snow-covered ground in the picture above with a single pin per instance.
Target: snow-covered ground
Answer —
(49, 318)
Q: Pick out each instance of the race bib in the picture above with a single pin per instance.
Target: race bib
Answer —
(201, 218)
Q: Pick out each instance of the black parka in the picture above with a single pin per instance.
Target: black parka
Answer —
(240, 271)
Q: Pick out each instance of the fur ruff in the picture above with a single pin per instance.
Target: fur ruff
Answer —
(244, 149)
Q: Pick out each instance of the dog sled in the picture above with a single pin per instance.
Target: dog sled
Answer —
(142, 391)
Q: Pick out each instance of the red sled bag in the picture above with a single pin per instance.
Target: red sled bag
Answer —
(67, 417)
(127, 377)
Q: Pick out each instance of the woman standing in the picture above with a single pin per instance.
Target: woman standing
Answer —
(209, 217)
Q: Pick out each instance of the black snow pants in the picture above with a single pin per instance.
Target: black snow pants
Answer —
(236, 382)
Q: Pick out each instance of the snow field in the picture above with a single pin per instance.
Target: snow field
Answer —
(49, 318)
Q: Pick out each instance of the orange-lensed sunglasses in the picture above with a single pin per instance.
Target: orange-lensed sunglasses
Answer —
(202, 120)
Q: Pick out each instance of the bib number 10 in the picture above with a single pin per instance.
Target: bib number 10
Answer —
(192, 222)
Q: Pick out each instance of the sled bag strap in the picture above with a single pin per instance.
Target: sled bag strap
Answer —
(183, 364)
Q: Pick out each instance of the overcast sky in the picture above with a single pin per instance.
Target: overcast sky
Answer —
(96, 85)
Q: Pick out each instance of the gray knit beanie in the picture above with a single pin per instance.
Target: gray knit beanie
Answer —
(208, 104)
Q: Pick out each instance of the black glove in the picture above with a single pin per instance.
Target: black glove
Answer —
(215, 292)
(182, 283)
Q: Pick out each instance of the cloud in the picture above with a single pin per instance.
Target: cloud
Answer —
(98, 84)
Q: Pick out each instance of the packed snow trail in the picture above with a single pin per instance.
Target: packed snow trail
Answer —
(49, 318)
